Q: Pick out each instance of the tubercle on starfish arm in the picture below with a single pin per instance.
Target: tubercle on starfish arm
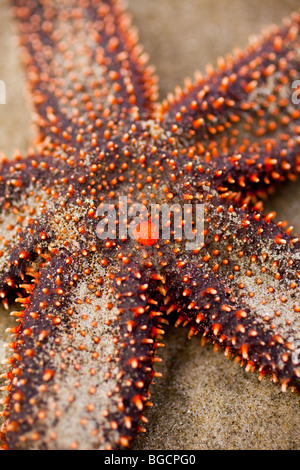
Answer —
(94, 310)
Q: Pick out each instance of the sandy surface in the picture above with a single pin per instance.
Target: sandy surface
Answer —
(203, 400)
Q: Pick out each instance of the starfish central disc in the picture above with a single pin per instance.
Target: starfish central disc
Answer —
(146, 233)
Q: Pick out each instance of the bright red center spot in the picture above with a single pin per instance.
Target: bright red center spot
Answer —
(146, 233)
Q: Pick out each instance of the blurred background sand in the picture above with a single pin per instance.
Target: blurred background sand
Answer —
(203, 401)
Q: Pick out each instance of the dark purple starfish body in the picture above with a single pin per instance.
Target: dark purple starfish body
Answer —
(94, 310)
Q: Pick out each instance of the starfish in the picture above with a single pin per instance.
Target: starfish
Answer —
(94, 305)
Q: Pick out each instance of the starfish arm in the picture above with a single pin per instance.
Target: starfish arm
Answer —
(24, 228)
(241, 289)
(82, 360)
(93, 75)
(256, 172)
(245, 116)
(18, 177)
(24, 189)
